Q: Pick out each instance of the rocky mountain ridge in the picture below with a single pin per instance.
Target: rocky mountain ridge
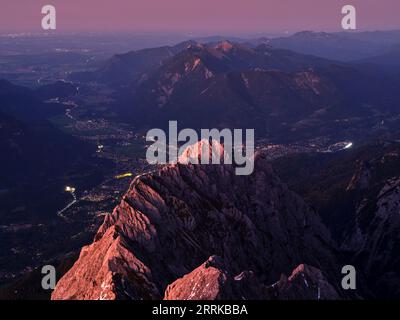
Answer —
(171, 221)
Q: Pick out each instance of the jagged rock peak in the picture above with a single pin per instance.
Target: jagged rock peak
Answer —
(205, 148)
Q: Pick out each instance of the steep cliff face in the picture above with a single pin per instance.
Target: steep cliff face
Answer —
(358, 196)
(171, 221)
(375, 239)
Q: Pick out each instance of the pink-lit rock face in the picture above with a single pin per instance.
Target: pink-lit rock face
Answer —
(171, 221)
(101, 269)
(211, 281)
(203, 283)
(205, 148)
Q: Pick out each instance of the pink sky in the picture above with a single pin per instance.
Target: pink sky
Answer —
(201, 16)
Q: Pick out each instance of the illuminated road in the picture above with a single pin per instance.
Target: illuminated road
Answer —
(69, 205)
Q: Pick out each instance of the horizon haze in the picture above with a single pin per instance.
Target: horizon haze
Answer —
(205, 18)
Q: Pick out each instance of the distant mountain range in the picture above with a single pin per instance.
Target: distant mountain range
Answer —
(227, 84)
(224, 85)
(342, 46)
(339, 46)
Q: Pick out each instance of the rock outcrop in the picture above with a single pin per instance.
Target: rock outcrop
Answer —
(211, 281)
(305, 283)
